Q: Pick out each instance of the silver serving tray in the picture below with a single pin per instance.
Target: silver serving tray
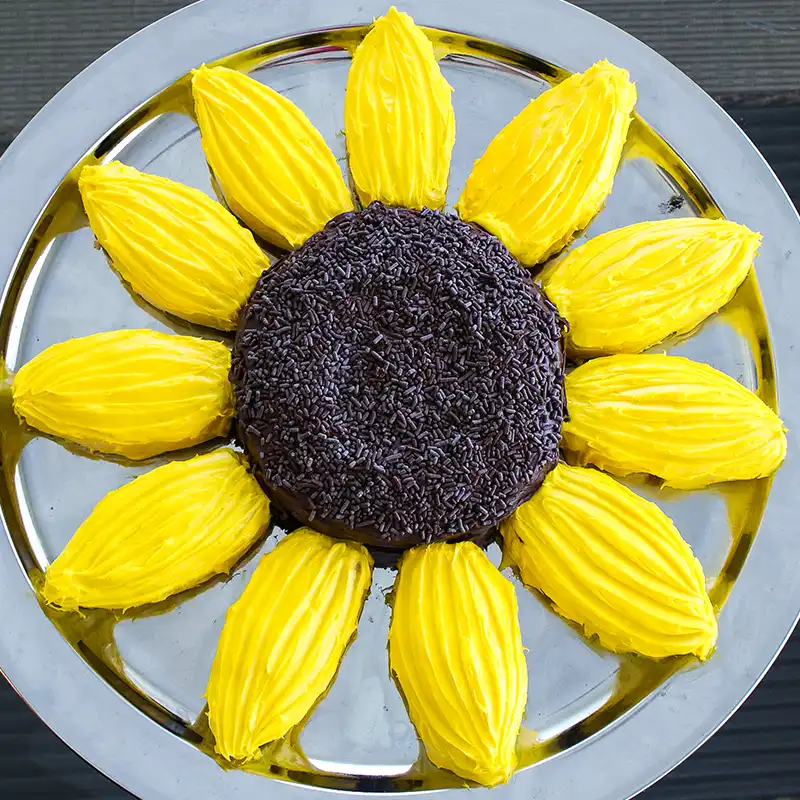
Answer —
(127, 694)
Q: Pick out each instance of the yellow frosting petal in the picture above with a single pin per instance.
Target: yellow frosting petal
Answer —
(175, 246)
(399, 119)
(456, 649)
(166, 531)
(684, 422)
(283, 639)
(548, 172)
(613, 563)
(629, 289)
(134, 393)
(276, 171)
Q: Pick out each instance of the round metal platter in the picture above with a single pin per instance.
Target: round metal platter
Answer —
(127, 693)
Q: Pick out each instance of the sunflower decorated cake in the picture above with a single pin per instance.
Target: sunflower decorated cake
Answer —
(401, 380)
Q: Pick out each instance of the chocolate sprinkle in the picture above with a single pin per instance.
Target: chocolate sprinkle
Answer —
(399, 379)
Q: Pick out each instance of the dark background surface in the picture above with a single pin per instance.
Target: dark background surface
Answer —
(745, 53)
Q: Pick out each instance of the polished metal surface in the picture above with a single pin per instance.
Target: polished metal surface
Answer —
(606, 741)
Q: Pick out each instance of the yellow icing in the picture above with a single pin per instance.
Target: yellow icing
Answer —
(627, 290)
(456, 649)
(175, 246)
(283, 639)
(166, 531)
(276, 171)
(135, 393)
(548, 172)
(399, 119)
(613, 563)
(684, 422)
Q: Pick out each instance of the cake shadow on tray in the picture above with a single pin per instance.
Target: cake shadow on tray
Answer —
(399, 386)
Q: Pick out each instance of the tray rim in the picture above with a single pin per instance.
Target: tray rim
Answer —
(640, 747)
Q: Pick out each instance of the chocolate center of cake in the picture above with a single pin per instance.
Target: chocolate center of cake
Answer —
(399, 379)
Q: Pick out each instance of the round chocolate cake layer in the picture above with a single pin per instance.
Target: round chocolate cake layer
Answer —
(399, 379)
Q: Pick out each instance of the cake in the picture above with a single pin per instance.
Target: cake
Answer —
(399, 379)
(398, 382)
